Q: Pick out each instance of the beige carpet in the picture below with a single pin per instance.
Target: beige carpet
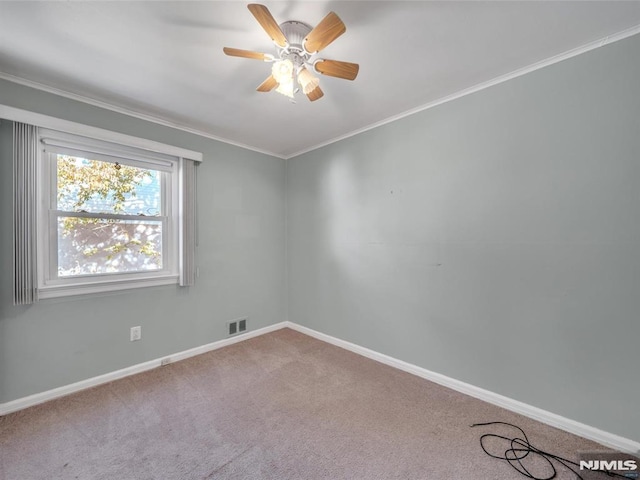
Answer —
(279, 406)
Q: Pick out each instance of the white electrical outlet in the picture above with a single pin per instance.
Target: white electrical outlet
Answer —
(136, 333)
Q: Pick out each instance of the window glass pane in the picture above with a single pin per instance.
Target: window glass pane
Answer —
(102, 187)
(90, 246)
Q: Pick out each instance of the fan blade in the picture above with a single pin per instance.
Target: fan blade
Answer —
(236, 52)
(315, 94)
(334, 68)
(268, 23)
(330, 28)
(269, 84)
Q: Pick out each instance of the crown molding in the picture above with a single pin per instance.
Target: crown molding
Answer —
(481, 86)
(454, 96)
(129, 112)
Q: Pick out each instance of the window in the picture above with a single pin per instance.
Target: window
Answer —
(76, 231)
(109, 216)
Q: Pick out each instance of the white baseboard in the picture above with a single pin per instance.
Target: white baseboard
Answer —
(586, 431)
(604, 438)
(35, 399)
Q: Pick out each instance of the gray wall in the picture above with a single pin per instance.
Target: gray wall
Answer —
(493, 239)
(241, 199)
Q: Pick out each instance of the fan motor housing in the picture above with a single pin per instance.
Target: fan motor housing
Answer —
(295, 32)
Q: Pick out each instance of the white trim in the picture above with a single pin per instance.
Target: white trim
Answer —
(586, 431)
(38, 398)
(79, 288)
(130, 113)
(53, 123)
(481, 86)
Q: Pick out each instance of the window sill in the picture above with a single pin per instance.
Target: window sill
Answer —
(55, 291)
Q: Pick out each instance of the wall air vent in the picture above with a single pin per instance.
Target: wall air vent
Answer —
(237, 326)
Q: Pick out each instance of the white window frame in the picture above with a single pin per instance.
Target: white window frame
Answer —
(49, 284)
(184, 184)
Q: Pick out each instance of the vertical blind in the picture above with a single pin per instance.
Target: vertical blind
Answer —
(26, 141)
(25, 145)
(188, 231)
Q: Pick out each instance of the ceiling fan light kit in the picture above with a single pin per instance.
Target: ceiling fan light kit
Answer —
(296, 44)
(307, 81)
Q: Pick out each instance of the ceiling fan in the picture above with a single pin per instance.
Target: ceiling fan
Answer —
(297, 44)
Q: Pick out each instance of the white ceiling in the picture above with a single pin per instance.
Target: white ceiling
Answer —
(165, 59)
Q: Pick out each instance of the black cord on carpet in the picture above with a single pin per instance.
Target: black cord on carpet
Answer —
(520, 448)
